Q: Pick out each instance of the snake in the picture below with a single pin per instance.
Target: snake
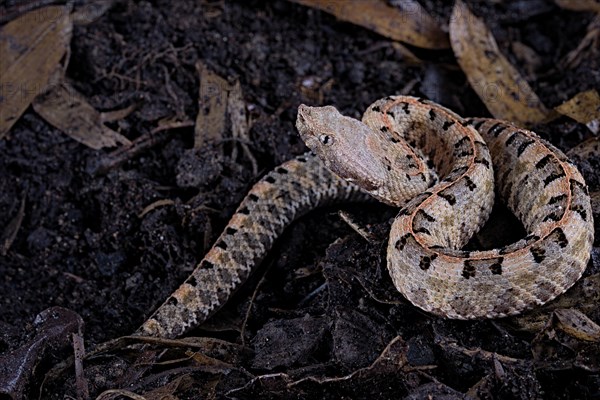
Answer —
(443, 172)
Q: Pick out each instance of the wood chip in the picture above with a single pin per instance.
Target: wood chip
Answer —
(498, 84)
(577, 324)
(584, 108)
(31, 49)
(67, 110)
(411, 24)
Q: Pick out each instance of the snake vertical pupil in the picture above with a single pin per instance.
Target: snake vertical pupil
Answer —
(326, 139)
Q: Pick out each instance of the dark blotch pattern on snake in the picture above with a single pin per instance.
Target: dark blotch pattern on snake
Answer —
(440, 170)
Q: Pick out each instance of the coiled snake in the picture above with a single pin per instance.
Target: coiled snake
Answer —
(436, 166)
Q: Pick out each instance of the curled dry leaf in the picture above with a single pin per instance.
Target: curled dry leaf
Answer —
(69, 111)
(577, 324)
(584, 107)
(31, 48)
(496, 81)
(411, 24)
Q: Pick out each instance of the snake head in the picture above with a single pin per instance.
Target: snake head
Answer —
(336, 139)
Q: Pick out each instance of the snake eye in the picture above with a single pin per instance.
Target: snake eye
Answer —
(326, 140)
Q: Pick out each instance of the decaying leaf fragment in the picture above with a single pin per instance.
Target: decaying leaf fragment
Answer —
(500, 86)
(31, 48)
(411, 24)
(584, 108)
(69, 111)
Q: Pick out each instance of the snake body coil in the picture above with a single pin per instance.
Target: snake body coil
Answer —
(436, 166)
(289, 191)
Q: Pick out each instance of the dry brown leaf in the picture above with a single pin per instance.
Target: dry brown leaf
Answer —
(31, 47)
(584, 108)
(577, 324)
(412, 24)
(67, 110)
(579, 5)
(212, 106)
(500, 86)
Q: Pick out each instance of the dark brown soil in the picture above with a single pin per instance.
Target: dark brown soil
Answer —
(322, 304)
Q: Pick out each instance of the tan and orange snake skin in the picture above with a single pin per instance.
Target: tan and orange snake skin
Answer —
(436, 166)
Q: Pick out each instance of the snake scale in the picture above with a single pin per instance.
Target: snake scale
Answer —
(435, 166)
